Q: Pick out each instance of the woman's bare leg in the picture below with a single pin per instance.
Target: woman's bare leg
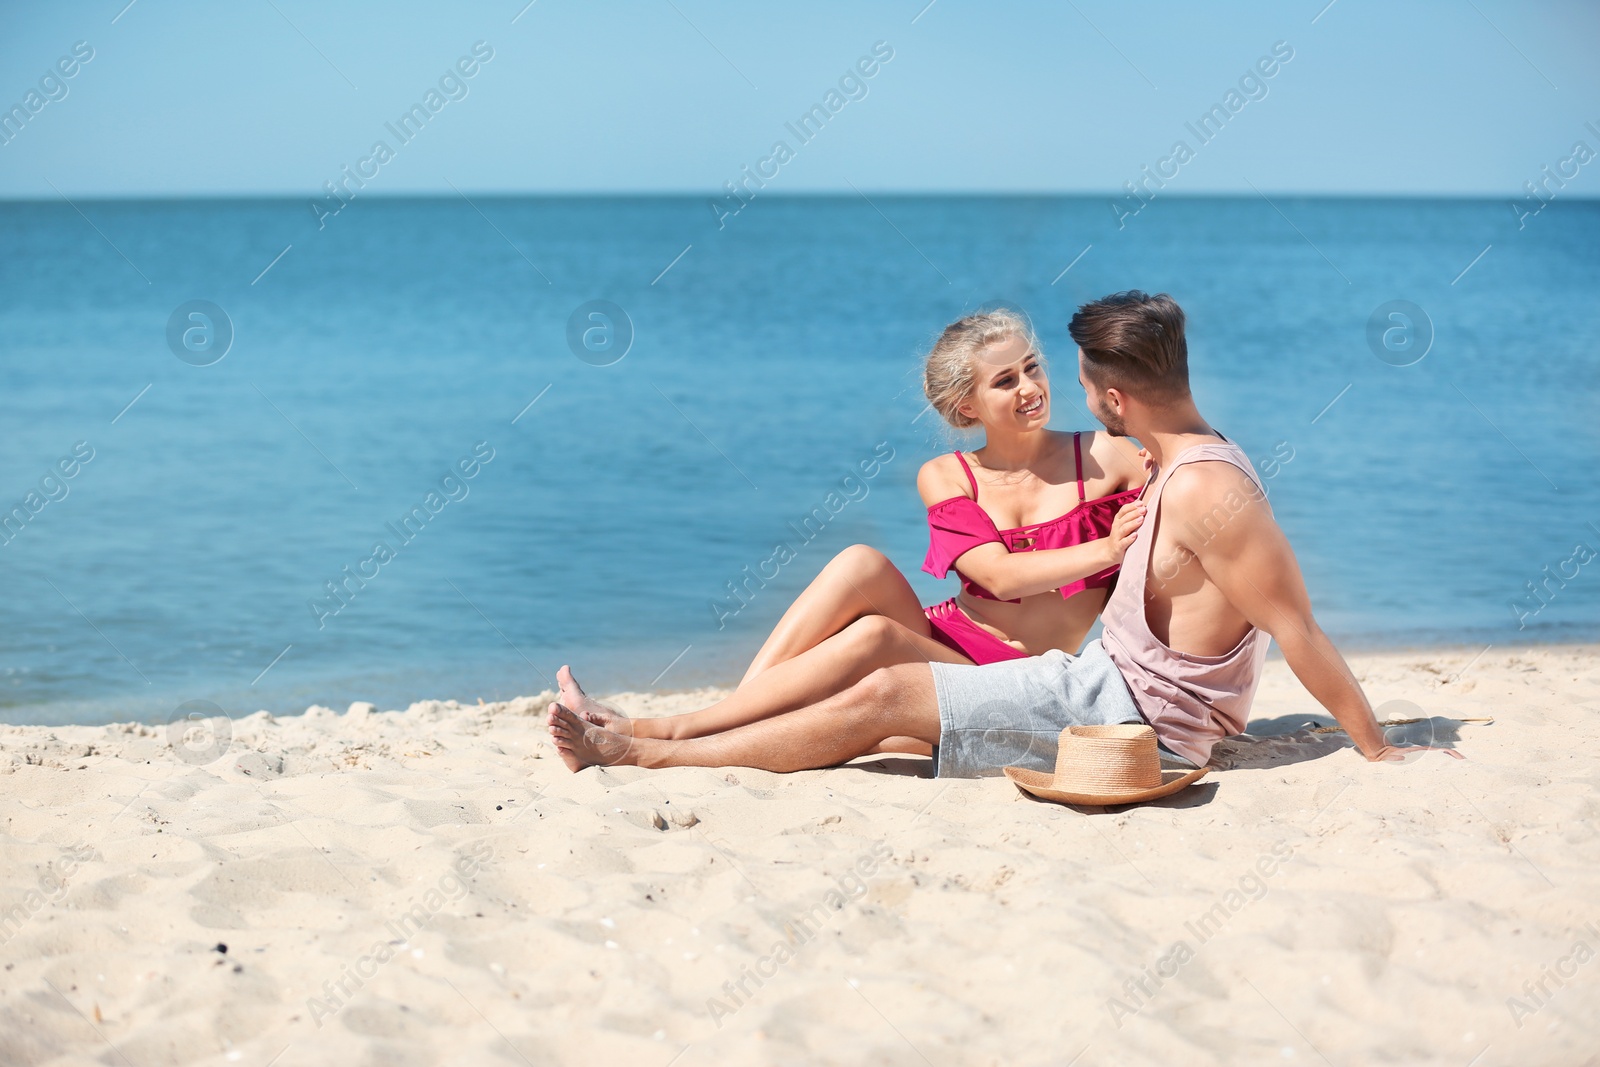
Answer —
(857, 582)
(831, 667)
(897, 701)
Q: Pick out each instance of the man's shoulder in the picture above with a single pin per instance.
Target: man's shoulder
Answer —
(1200, 486)
(1207, 473)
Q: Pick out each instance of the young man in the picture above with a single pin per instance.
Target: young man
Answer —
(1208, 581)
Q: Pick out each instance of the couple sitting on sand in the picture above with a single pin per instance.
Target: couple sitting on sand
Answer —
(1036, 523)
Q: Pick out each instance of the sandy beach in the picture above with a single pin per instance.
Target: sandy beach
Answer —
(432, 886)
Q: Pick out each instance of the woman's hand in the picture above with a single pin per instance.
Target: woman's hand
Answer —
(1123, 528)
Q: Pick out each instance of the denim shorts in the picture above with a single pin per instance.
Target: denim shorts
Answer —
(1011, 714)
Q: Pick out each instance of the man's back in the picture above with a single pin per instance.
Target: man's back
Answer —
(1190, 657)
(1184, 607)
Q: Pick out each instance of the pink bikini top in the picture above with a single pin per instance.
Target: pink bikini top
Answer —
(958, 525)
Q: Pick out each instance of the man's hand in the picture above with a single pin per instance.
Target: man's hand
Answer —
(1400, 753)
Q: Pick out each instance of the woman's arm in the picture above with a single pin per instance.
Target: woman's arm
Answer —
(1010, 575)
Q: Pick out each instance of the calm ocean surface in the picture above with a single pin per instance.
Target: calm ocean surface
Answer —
(184, 560)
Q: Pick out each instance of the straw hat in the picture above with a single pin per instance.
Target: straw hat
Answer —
(1105, 765)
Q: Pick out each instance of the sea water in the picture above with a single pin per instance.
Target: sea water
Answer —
(398, 456)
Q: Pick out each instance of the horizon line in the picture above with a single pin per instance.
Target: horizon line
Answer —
(819, 194)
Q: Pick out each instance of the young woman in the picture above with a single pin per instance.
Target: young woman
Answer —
(1035, 523)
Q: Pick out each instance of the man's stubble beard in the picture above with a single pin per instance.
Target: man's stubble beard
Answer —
(1111, 420)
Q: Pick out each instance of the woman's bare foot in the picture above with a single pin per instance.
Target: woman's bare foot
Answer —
(583, 744)
(585, 706)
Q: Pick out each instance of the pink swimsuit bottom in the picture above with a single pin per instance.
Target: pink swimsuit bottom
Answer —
(952, 628)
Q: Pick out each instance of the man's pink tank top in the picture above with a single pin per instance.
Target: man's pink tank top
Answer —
(1191, 701)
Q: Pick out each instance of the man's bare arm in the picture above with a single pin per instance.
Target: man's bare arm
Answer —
(1250, 561)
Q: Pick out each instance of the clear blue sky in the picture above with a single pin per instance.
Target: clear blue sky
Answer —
(1469, 97)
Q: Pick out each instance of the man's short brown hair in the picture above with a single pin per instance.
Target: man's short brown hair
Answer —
(1134, 342)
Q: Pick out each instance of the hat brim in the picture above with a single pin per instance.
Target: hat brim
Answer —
(1042, 785)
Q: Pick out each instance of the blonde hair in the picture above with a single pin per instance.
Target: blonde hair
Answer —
(949, 377)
